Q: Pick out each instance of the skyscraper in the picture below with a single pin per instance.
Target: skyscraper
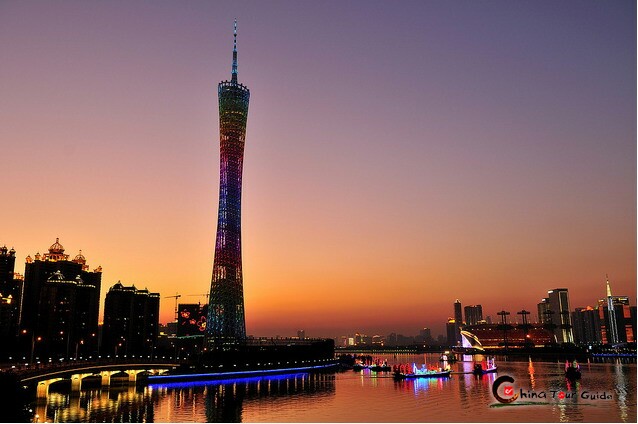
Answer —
(226, 319)
(612, 336)
(615, 318)
(458, 319)
(131, 321)
(559, 305)
(473, 314)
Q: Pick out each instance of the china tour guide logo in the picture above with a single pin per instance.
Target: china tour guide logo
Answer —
(508, 389)
(506, 393)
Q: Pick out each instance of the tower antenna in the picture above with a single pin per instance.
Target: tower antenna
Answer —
(234, 71)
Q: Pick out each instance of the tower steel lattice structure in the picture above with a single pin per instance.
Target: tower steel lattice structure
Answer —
(226, 319)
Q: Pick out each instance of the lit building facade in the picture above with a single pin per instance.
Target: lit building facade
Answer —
(492, 336)
(226, 318)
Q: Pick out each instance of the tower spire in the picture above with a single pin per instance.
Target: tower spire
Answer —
(608, 287)
(234, 71)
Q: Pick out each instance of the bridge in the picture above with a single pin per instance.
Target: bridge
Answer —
(43, 375)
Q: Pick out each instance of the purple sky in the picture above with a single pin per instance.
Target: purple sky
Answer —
(399, 155)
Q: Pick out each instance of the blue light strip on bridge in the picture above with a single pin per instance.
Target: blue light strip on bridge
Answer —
(240, 380)
(248, 374)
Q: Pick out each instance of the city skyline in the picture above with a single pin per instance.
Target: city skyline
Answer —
(507, 161)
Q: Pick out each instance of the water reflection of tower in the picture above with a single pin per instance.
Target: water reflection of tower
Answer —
(226, 319)
(233, 402)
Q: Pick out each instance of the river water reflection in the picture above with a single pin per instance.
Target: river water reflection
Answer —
(366, 397)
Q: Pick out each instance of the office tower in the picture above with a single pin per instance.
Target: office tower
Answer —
(612, 334)
(226, 319)
(559, 305)
(615, 318)
(544, 314)
(458, 318)
(426, 335)
(38, 271)
(452, 330)
(586, 325)
(301, 334)
(131, 321)
(473, 314)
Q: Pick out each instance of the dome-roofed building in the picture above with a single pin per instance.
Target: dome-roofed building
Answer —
(56, 252)
(45, 270)
(80, 259)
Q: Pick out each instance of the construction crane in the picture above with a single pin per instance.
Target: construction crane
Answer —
(177, 296)
(200, 295)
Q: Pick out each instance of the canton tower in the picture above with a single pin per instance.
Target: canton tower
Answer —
(226, 321)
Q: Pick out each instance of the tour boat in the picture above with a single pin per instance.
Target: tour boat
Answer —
(490, 367)
(422, 372)
(377, 368)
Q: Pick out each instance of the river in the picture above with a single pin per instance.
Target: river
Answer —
(606, 393)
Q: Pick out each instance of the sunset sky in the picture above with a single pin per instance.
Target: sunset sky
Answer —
(399, 155)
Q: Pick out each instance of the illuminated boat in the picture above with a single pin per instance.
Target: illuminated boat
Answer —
(484, 368)
(422, 372)
(359, 367)
(378, 368)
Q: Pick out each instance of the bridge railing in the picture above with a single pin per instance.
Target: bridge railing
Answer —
(26, 370)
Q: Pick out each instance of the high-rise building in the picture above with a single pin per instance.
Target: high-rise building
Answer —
(612, 328)
(473, 314)
(301, 334)
(615, 318)
(226, 319)
(452, 330)
(10, 299)
(426, 335)
(586, 325)
(544, 314)
(37, 286)
(7, 265)
(63, 317)
(131, 321)
(458, 319)
(559, 305)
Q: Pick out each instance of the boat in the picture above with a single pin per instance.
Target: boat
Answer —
(484, 368)
(378, 368)
(572, 371)
(423, 372)
(359, 367)
(372, 365)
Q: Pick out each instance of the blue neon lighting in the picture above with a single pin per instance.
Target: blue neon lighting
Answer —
(223, 374)
(242, 380)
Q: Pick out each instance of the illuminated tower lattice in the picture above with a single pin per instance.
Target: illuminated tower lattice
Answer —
(226, 319)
